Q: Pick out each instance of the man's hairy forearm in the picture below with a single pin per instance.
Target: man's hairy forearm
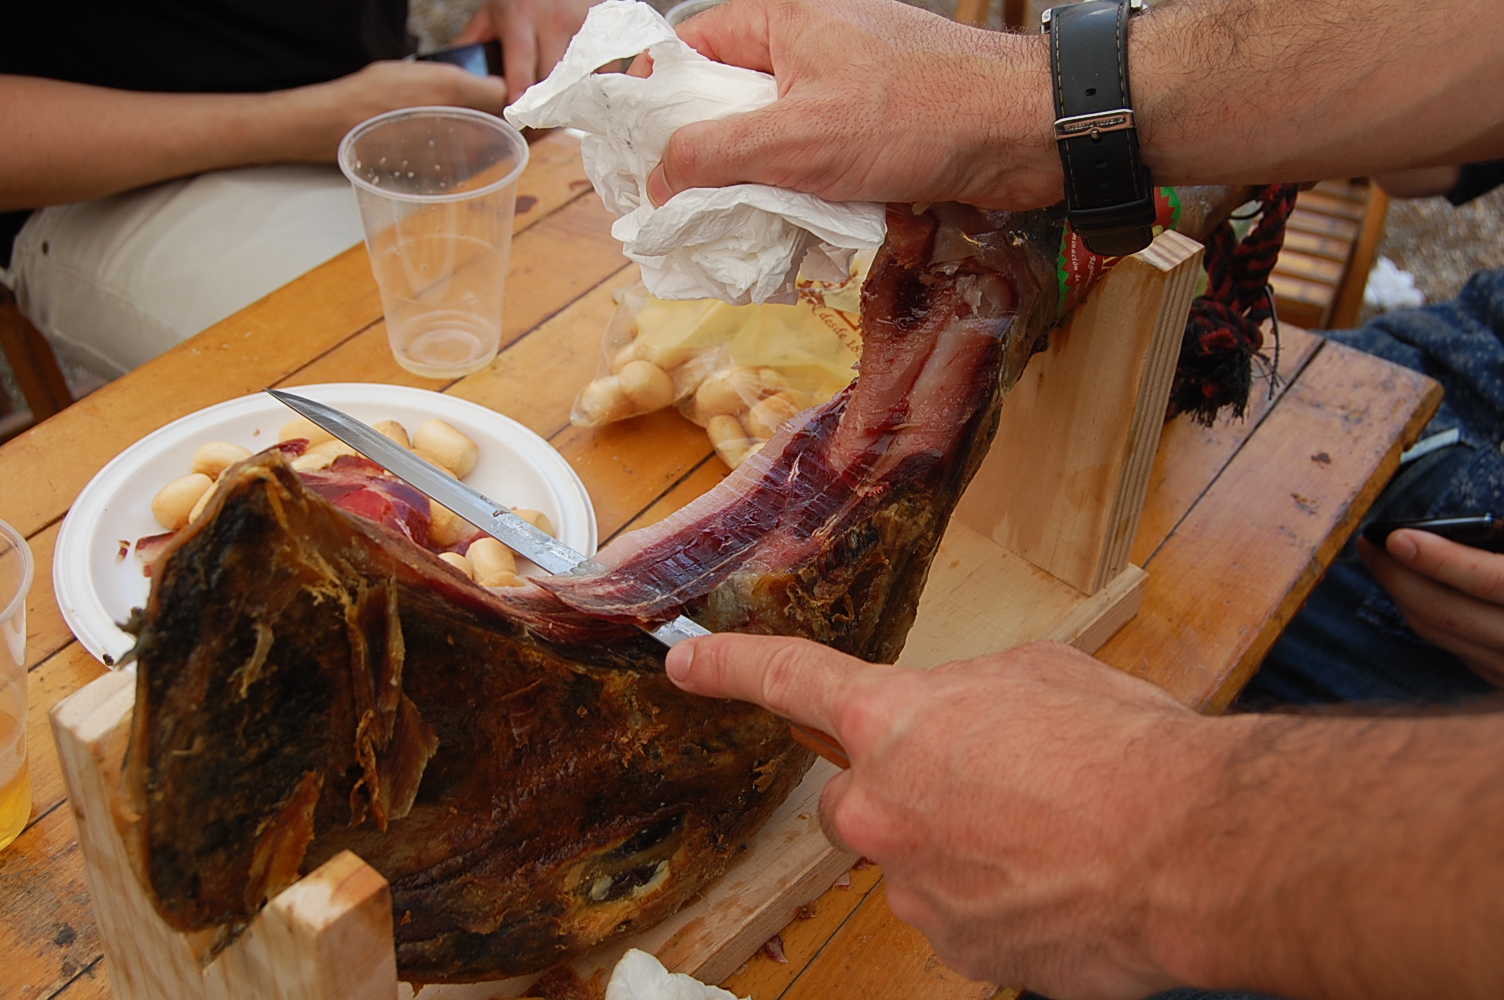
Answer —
(67, 141)
(1286, 90)
(1340, 857)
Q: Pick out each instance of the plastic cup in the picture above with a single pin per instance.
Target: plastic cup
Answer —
(15, 777)
(437, 189)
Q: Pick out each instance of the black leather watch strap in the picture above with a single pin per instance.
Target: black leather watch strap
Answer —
(1109, 198)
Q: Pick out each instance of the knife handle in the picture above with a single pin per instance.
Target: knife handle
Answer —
(822, 743)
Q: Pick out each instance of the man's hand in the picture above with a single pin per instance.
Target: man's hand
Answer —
(1450, 593)
(1049, 822)
(1014, 801)
(878, 101)
(533, 35)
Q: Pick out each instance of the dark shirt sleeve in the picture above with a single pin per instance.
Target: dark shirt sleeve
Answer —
(1476, 179)
(201, 46)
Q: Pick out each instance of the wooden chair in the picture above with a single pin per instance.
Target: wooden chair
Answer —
(35, 366)
(1330, 243)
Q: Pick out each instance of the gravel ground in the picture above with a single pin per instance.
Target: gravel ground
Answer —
(1441, 245)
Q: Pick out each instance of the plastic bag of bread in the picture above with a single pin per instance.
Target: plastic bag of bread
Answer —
(737, 371)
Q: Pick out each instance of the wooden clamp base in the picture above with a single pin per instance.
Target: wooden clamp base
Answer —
(1037, 550)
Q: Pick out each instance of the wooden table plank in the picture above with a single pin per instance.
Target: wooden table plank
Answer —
(1269, 524)
(1189, 454)
(47, 932)
(764, 978)
(873, 954)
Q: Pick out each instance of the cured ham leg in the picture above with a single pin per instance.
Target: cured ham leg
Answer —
(515, 762)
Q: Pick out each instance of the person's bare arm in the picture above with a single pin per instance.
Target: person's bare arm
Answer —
(888, 105)
(1050, 822)
(1240, 91)
(68, 142)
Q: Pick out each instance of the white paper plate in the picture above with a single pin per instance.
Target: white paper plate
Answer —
(96, 588)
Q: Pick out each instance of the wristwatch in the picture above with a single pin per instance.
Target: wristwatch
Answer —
(1109, 199)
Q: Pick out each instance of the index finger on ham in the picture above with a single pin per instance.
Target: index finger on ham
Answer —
(795, 678)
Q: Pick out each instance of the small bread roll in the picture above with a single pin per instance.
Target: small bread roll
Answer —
(491, 560)
(395, 431)
(445, 527)
(454, 450)
(729, 438)
(625, 355)
(537, 519)
(334, 449)
(502, 580)
(665, 356)
(768, 415)
(198, 508)
(459, 562)
(434, 461)
(728, 392)
(602, 401)
(175, 502)
(302, 427)
(647, 385)
(214, 457)
(311, 462)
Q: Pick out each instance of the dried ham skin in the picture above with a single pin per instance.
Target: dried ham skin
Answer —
(310, 682)
(516, 763)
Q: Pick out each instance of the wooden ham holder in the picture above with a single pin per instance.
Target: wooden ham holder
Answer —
(1038, 549)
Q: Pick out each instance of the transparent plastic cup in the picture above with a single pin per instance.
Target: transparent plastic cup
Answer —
(16, 570)
(437, 189)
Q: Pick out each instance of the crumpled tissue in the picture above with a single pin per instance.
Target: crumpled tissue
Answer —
(1389, 287)
(741, 244)
(640, 976)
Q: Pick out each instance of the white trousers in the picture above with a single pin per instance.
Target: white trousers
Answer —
(117, 281)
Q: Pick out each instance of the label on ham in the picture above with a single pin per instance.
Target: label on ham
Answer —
(1077, 268)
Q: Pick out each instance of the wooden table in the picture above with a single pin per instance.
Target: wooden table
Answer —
(1240, 522)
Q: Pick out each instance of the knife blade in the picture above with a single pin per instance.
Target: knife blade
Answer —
(486, 514)
(500, 523)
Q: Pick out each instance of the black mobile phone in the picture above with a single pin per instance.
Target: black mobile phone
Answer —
(482, 58)
(1483, 531)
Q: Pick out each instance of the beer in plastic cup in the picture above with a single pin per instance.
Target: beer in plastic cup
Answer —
(15, 778)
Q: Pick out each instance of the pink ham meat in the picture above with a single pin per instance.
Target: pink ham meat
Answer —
(359, 486)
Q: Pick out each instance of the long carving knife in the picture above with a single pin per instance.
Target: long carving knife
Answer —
(497, 521)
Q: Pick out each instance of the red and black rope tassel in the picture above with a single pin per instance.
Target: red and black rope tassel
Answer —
(1222, 336)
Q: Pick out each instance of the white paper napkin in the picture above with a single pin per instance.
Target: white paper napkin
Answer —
(640, 976)
(743, 243)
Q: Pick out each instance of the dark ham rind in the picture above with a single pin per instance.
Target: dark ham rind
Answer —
(310, 682)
